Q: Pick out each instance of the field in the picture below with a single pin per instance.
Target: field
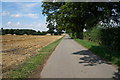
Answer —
(16, 49)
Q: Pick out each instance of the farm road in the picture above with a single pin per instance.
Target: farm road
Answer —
(71, 60)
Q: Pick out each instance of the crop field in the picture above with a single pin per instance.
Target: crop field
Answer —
(17, 48)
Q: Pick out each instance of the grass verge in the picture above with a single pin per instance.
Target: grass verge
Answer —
(31, 64)
(102, 51)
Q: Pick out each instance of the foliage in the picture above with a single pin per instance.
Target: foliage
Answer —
(93, 34)
(22, 32)
(74, 17)
(102, 51)
(109, 37)
(50, 9)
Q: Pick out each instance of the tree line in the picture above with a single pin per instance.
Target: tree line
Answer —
(29, 32)
(22, 32)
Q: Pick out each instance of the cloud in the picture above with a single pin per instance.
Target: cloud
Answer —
(5, 13)
(26, 7)
(16, 15)
(17, 25)
(37, 26)
(11, 24)
(30, 5)
(30, 15)
(22, 0)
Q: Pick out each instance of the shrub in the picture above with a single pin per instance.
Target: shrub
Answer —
(109, 37)
(92, 34)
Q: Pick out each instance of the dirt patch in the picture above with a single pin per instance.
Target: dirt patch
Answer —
(16, 49)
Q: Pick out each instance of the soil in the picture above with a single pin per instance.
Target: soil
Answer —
(17, 48)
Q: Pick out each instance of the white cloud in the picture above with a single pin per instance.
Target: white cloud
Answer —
(16, 15)
(30, 15)
(30, 5)
(26, 7)
(22, 0)
(17, 25)
(9, 23)
(5, 13)
(37, 26)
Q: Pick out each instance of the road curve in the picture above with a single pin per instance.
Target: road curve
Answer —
(71, 60)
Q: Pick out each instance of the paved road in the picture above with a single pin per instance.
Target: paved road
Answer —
(71, 60)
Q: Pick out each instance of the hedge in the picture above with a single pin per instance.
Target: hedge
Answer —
(109, 37)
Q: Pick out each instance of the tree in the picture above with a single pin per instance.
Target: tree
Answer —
(50, 9)
(51, 28)
(74, 17)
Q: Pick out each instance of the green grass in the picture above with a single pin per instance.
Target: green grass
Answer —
(31, 64)
(101, 51)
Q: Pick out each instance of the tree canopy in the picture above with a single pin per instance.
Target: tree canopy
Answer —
(74, 17)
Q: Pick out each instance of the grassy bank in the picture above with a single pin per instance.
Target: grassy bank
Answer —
(102, 51)
(33, 62)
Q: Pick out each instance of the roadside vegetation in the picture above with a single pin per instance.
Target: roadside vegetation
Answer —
(103, 42)
(25, 69)
(95, 22)
(102, 51)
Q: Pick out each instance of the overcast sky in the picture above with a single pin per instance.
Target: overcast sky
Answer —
(23, 15)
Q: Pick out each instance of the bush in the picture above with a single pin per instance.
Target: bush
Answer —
(109, 37)
(102, 51)
(93, 34)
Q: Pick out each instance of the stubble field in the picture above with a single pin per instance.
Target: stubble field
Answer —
(17, 48)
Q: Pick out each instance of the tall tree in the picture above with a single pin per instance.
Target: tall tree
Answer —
(74, 17)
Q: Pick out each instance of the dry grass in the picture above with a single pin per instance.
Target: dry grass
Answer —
(16, 49)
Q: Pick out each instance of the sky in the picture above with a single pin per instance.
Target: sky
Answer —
(23, 15)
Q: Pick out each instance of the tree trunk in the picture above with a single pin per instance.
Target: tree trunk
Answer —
(79, 33)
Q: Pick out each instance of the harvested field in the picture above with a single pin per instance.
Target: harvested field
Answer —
(17, 48)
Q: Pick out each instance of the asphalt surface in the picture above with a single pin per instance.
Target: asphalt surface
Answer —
(71, 60)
